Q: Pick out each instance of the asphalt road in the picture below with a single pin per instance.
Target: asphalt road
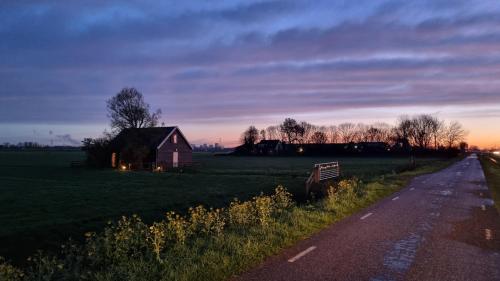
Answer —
(443, 226)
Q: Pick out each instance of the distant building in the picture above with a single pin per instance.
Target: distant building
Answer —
(151, 148)
(216, 147)
(269, 147)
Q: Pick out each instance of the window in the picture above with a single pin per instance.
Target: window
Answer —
(174, 138)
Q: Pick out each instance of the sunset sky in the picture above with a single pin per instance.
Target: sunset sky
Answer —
(215, 67)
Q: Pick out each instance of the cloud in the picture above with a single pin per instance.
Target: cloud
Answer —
(207, 61)
(66, 139)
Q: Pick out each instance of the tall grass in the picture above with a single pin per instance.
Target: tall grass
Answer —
(492, 173)
(204, 244)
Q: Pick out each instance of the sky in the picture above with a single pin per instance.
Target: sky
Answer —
(216, 67)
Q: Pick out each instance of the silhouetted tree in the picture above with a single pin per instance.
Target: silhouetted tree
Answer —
(422, 128)
(263, 134)
(454, 134)
(291, 130)
(272, 132)
(333, 134)
(306, 131)
(127, 109)
(98, 151)
(347, 132)
(249, 138)
(319, 137)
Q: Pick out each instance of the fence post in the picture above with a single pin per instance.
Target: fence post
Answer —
(316, 174)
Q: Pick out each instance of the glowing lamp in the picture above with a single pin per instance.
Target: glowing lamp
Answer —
(496, 152)
(123, 167)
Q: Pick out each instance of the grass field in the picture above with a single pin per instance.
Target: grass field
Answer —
(492, 173)
(43, 200)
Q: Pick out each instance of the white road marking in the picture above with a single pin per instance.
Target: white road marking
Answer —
(488, 234)
(446, 192)
(303, 253)
(483, 207)
(395, 198)
(367, 215)
(413, 188)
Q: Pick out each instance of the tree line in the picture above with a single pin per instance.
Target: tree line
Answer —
(422, 131)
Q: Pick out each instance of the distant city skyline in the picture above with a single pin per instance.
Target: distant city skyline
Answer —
(214, 68)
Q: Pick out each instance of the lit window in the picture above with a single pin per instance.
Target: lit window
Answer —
(174, 139)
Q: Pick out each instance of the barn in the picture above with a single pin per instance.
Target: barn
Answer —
(158, 148)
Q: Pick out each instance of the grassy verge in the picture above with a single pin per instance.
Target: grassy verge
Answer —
(207, 244)
(492, 174)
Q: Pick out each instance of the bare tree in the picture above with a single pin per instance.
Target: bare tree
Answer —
(422, 128)
(319, 138)
(454, 134)
(250, 137)
(272, 132)
(373, 134)
(436, 129)
(127, 109)
(333, 134)
(361, 132)
(263, 134)
(347, 132)
(307, 131)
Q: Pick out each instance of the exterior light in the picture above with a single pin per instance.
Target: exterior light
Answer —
(123, 167)
(301, 150)
(496, 152)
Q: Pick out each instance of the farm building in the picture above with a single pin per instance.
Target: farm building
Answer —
(159, 148)
(269, 147)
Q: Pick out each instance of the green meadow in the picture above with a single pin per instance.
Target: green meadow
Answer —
(44, 201)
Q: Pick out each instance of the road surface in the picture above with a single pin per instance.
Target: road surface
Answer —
(443, 226)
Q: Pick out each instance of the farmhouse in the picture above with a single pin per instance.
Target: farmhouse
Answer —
(269, 147)
(157, 148)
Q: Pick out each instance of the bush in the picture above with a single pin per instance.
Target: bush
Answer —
(8, 272)
(176, 228)
(215, 221)
(156, 238)
(98, 151)
(282, 199)
(242, 213)
(343, 194)
(264, 206)
(197, 217)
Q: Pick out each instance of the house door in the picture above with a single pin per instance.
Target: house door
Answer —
(175, 160)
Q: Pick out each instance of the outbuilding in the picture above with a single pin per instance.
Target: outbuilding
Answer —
(158, 148)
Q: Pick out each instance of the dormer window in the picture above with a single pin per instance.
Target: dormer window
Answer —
(174, 138)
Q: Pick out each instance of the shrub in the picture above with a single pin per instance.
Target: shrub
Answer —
(129, 238)
(8, 272)
(242, 213)
(44, 267)
(197, 217)
(343, 194)
(264, 205)
(282, 199)
(215, 221)
(176, 227)
(157, 238)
